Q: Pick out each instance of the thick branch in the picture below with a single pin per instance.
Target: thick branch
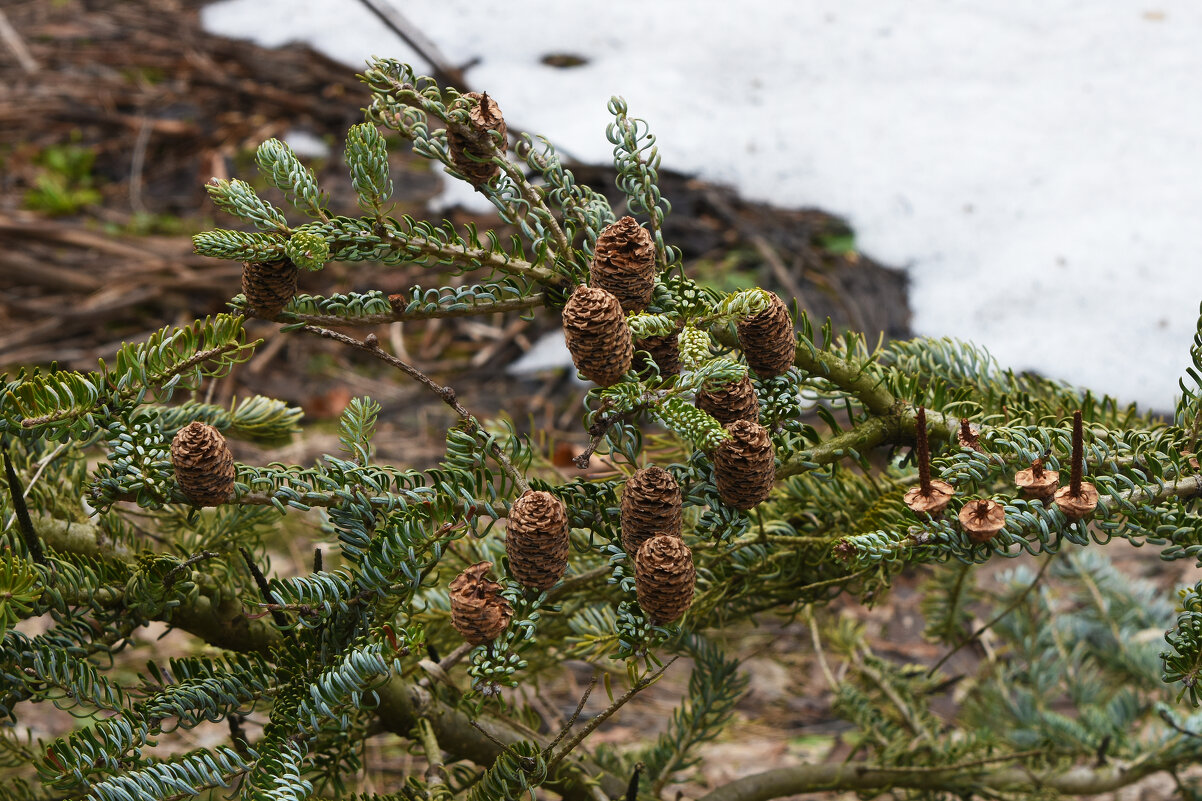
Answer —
(859, 776)
(402, 316)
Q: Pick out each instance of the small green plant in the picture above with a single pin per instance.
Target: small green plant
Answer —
(64, 184)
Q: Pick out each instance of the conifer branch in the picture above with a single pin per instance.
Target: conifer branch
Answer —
(446, 394)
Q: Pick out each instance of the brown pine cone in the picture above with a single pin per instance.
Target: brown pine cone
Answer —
(268, 286)
(471, 146)
(597, 335)
(664, 351)
(204, 465)
(478, 610)
(664, 576)
(651, 504)
(624, 263)
(731, 402)
(768, 340)
(745, 465)
(536, 539)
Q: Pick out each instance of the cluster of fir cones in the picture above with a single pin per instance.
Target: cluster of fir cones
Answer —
(621, 280)
(983, 518)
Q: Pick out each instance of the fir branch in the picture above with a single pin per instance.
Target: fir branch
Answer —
(952, 779)
(371, 346)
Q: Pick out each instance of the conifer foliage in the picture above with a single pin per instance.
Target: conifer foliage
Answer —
(761, 464)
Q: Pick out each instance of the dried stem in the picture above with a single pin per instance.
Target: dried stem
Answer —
(447, 394)
(601, 717)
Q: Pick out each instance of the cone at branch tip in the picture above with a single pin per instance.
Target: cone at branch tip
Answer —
(731, 402)
(203, 464)
(624, 263)
(664, 577)
(767, 339)
(536, 540)
(745, 465)
(268, 286)
(478, 610)
(651, 506)
(471, 146)
(597, 335)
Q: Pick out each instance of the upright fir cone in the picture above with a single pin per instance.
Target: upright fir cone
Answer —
(651, 504)
(767, 339)
(731, 402)
(478, 610)
(471, 147)
(664, 576)
(536, 539)
(268, 286)
(664, 351)
(745, 465)
(624, 263)
(597, 335)
(203, 463)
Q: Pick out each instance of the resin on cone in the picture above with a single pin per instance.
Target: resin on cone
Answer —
(597, 335)
(732, 402)
(478, 610)
(745, 465)
(268, 286)
(624, 263)
(767, 339)
(651, 506)
(664, 577)
(203, 463)
(536, 540)
(471, 148)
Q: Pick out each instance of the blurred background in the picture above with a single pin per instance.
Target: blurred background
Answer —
(1035, 166)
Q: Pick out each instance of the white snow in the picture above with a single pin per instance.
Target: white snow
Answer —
(1036, 165)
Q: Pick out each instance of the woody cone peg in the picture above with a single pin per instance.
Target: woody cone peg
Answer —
(203, 464)
(929, 498)
(982, 519)
(1037, 482)
(1079, 498)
